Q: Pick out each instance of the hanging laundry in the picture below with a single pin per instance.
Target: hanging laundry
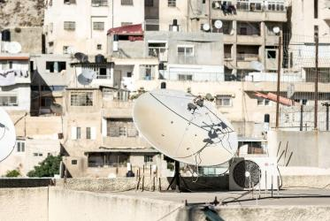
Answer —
(7, 78)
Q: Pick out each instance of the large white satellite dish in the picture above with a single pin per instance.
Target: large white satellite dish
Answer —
(14, 47)
(7, 135)
(86, 77)
(185, 127)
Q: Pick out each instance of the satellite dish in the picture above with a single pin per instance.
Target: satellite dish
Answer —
(81, 57)
(276, 30)
(71, 50)
(56, 108)
(7, 135)
(14, 47)
(206, 27)
(86, 77)
(218, 24)
(256, 65)
(189, 129)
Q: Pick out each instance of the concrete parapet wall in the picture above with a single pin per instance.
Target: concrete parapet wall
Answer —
(306, 181)
(300, 148)
(124, 184)
(79, 205)
(24, 204)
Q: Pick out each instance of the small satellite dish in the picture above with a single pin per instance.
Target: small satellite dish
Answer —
(189, 128)
(14, 47)
(81, 57)
(206, 27)
(256, 65)
(276, 29)
(71, 50)
(56, 108)
(218, 24)
(86, 77)
(7, 135)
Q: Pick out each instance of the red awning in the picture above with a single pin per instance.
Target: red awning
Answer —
(127, 30)
(273, 97)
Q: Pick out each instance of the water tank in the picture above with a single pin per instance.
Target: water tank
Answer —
(99, 58)
(5, 35)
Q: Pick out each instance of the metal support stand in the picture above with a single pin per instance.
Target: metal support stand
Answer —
(177, 179)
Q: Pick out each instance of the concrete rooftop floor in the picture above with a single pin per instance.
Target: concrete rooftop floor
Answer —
(290, 197)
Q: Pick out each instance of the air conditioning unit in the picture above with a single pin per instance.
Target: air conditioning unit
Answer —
(257, 172)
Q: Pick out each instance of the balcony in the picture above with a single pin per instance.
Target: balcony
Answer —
(250, 11)
(124, 142)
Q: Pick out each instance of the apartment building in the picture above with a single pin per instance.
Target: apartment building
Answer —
(67, 33)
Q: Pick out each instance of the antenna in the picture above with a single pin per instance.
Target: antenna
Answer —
(256, 65)
(86, 77)
(81, 57)
(190, 129)
(7, 135)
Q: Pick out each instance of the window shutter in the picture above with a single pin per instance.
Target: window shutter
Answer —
(74, 133)
(93, 133)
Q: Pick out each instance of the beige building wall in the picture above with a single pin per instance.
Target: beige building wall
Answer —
(84, 38)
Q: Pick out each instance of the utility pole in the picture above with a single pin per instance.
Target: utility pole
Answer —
(326, 104)
(278, 78)
(316, 97)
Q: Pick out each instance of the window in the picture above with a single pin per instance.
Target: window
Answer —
(186, 51)
(99, 47)
(96, 3)
(88, 133)
(126, 23)
(148, 158)
(155, 49)
(271, 54)
(262, 102)
(126, 2)
(98, 26)
(78, 132)
(46, 101)
(69, 25)
(75, 133)
(55, 66)
(121, 127)
(185, 77)
(223, 100)
(81, 98)
(20, 146)
(9, 100)
(171, 3)
(74, 162)
(68, 2)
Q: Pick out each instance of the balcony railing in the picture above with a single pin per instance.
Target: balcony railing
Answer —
(247, 57)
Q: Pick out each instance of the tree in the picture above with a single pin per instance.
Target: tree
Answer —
(47, 168)
(13, 173)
